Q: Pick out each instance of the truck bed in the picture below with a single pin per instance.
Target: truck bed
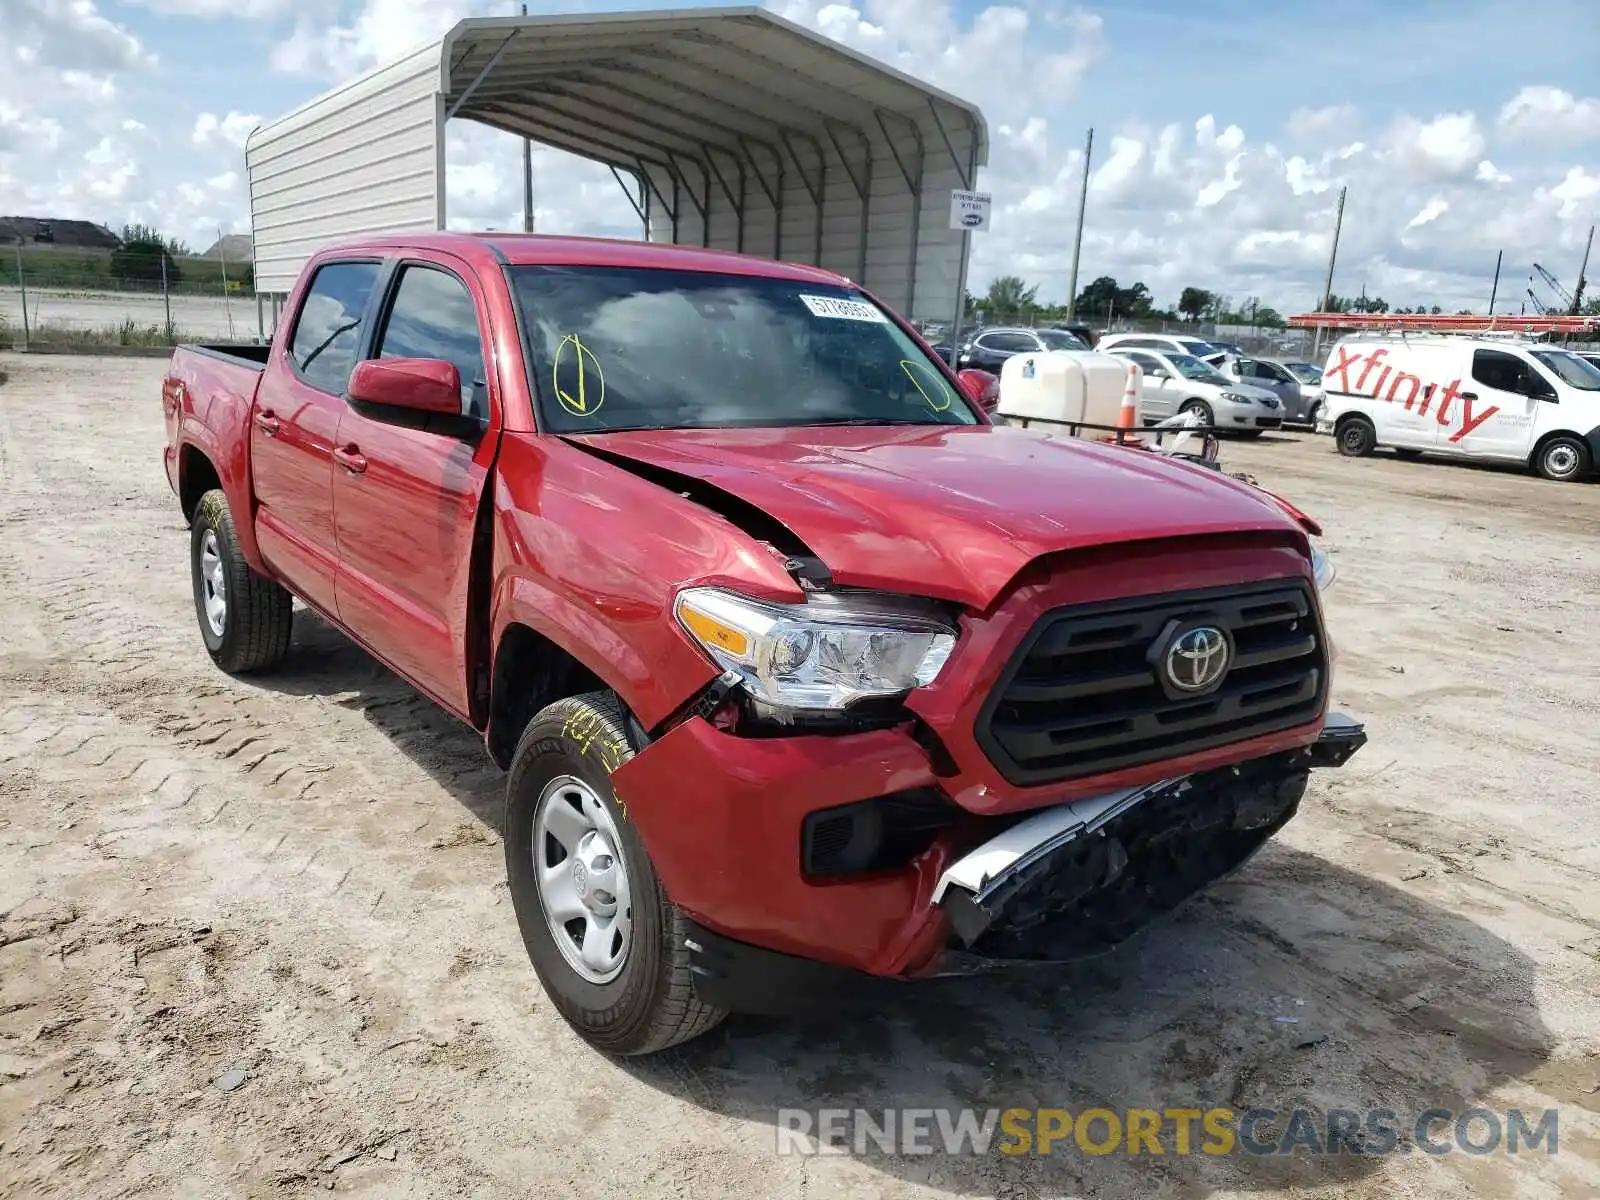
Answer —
(246, 354)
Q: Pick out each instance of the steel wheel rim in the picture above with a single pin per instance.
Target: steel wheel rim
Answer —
(213, 584)
(1354, 437)
(1561, 460)
(582, 880)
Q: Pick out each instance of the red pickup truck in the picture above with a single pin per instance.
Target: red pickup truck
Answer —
(805, 673)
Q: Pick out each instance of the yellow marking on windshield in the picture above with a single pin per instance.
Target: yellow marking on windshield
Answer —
(591, 394)
(913, 369)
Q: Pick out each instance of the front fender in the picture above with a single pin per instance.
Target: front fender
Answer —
(592, 557)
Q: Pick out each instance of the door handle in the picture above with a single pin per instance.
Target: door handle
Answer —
(349, 457)
(1469, 395)
(268, 424)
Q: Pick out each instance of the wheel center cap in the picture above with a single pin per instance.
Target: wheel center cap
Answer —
(580, 879)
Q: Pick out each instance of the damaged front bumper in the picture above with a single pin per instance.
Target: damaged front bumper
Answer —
(1065, 883)
(1078, 879)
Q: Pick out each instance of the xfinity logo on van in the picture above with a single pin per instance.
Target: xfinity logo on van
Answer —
(1418, 396)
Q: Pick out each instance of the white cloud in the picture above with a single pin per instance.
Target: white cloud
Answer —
(233, 129)
(1195, 201)
(1435, 208)
(1549, 113)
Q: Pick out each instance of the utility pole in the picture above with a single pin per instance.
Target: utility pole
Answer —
(1333, 255)
(527, 175)
(1495, 289)
(1077, 242)
(22, 284)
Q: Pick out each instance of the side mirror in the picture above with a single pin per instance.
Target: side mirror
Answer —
(982, 388)
(422, 385)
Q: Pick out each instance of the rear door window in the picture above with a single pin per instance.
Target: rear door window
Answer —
(328, 331)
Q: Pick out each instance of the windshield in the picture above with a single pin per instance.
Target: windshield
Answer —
(1200, 349)
(1570, 369)
(640, 348)
(1055, 339)
(1191, 367)
(1305, 372)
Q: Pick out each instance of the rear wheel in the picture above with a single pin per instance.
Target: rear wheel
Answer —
(245, 618)
(607, 944)
(1563, 458)
(1356, 437)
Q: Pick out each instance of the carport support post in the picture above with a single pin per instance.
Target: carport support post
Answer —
(22, 282)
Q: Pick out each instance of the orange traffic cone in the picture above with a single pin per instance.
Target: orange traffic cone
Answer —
(1128, 415)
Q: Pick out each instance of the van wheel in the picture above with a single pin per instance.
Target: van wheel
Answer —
(605, 941)
(1356, 437)
(1201, 407)
(1563, 458)
(245, 618)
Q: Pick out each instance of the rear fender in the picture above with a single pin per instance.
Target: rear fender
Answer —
(233, 469)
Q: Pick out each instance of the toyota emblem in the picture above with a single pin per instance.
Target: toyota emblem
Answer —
(1197, 659)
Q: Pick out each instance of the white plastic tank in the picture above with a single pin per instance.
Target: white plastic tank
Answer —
(1063, 386)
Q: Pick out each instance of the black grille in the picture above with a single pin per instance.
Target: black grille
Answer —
(1081, 696)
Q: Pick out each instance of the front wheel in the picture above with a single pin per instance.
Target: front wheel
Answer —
(1201, 408)
(1563, 459)
(245, 618)
(605, 941)
(1356, 437)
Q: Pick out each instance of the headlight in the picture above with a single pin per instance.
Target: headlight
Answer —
(818, 656)
(1322, 566)
(1236, 397)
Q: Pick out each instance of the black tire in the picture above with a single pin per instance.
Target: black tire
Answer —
(1201, 407)
(1563, 458)
(1356, 437)
(1411, 453)
(258, 614)
(650, 1004)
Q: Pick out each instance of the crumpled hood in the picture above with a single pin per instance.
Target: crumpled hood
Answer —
(952, 511)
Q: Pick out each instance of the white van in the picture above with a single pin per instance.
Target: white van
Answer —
(1489, 398)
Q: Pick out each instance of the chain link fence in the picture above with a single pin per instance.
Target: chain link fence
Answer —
(81, 303)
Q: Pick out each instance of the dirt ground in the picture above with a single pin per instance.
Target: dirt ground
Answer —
(298, 882)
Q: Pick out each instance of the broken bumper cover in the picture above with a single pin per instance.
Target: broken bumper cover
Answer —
(1078, 879)
(1066, 883)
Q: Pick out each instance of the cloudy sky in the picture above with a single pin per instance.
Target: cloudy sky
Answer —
(1223, 128)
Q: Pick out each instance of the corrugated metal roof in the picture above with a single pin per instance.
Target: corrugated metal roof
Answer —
(730, 128)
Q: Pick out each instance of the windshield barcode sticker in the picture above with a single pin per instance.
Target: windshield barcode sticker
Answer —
(847, 310)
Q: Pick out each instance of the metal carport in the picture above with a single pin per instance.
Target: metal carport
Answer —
(728, 127)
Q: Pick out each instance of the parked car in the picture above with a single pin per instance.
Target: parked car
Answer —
(786, 648)
(988, 350)
(1174, 383)
(1229, 347)
(1478, 398)
(1159, 342)
(1274, 377)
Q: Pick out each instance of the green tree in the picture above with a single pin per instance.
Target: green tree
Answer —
(140, 257)
(1105, 295)
(1194, 302)
(1011, 295)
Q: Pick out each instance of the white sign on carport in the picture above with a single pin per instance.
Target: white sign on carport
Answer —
(729, 128)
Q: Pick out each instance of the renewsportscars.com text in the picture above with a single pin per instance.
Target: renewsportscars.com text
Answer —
(1174, 1131)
